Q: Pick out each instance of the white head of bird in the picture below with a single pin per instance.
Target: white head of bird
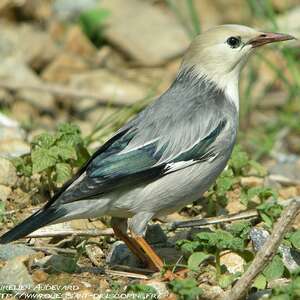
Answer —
(220, 53)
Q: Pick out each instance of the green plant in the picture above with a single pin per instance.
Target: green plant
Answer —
(239, 165)
(54, 156)
(2, 210)
(91, 22)
(141, 291)
(211, 244)
(186, 289)
(269, 212)
(262, 193)
(290, 291)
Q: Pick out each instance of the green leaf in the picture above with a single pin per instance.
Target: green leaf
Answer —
(187, 288)
(224, 184)
(295, 239)
(260, 282)
(196, 259)
(69, 134)
(63, 172)
(82, 155)
(226, 280)
(281, 297)
(269, 212)
(239, 159)
(61, 263)
(92, 19)
(221, 240)
(266, 219)
(191, 293)
(240, 229)
(44, 140)
(42, 159)
(275, 269)
(64, 151)
(260, 169)
(186, 246)
(23, 165)
(68, 129)
(141, 291)
(91, 22)
(2, 210)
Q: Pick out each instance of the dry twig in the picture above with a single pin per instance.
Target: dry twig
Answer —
(54, 250)
(265, 254)
(61, 233)
(215, 220)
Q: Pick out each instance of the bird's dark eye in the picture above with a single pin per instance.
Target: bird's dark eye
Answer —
(234, 42)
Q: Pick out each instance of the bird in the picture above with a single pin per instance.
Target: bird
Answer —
(169, 154)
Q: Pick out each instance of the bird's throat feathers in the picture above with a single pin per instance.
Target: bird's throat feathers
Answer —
(229, 84)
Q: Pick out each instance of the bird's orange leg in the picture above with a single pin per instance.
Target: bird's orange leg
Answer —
(135, 249)
(153, 260)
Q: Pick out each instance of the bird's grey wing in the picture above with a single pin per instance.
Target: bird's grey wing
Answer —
(179, 129)
(106, 173)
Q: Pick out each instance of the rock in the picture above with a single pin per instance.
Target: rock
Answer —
(128, 27)
(11, 138)
(260, 295)
(4, 192)
(258, 237)
(293, 142)
(39, 276)
(252, 181)
(15, 71)
(77, 42)
(39, 10)
(13, 148)
(290, 256)
(15, 273)
(69, 9)
(10, 128)
(83, 224)
(27, 44)
(169, 254)
(234, 204)
(211, 292)
(233, 262)
(10, 133)
(174, 217)
(109, 86)
(56, 263)
(5, 5)
(11, 251)
(95, 253)
(8, 174)
(63, 67)
(5, 97)
(289, 192)
(24, 112)
(289, 169)
(92, 112)
(155, 235)
(121, 255)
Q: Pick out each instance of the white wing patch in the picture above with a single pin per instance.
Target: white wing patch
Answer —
(175, 166)
(172, 167)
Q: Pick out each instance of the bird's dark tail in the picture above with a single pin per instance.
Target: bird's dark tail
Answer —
(39, 219)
